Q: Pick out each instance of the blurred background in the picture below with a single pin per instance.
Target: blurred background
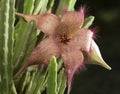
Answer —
(97, 80)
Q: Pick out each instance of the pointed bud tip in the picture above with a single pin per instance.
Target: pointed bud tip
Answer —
(109, 68)
(105, 65)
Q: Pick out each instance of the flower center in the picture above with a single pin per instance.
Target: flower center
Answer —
(64, 38)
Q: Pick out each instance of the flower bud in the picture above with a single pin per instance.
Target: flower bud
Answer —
(95, 56)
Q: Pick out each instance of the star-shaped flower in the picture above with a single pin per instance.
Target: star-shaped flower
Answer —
(65, 38)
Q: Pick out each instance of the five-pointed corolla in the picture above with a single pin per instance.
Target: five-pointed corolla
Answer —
(65, 38)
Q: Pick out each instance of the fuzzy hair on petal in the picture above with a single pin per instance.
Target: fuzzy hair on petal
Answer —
(74, 18)
(82, 40)
(73, 60)
(42, 54)
(46, 22)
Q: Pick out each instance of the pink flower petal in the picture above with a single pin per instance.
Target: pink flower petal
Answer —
(43, 52)
(73, 60)
(46, 22)
(75, 19)
(82, 40)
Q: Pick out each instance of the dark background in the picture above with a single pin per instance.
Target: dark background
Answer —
(97, 80)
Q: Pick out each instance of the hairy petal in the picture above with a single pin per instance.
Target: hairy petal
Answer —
(46, 22)
(82, 40)
(45, 50)
(42, 53)
(73, 60)
(76, 19)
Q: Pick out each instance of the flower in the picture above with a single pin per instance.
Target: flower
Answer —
(65, 38)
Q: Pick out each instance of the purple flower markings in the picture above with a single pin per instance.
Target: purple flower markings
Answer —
(65, 38)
